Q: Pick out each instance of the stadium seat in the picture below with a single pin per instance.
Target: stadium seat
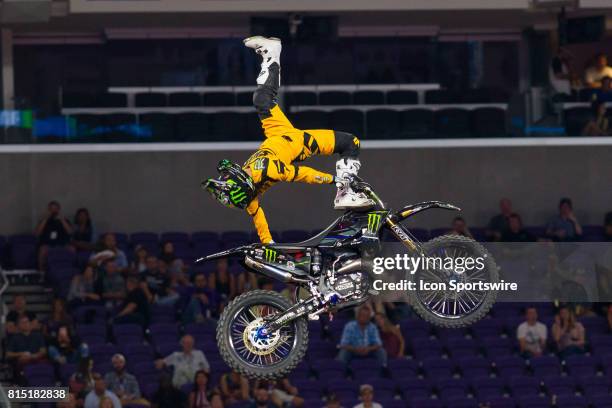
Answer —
(23, 251)
(179, 99)
(488, 122)
(86, 127)
(347, 120)
(160, 126)
(298, 98)
(441, 96)
(150, 99)
(416, 123)
(402, 97)
(334, 98)
(382, 124)
(368, 98)
(575, 119)
(228, 126)
(558, 385)
(121, 127)
(192, 126)
(78, 100)
(452, 123)
(545, 366)
(218, 99)
(311, 119)
(111, 100)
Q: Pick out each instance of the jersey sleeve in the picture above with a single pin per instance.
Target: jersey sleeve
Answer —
(259, 219)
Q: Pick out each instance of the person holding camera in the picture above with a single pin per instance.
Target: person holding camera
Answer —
(53, 231)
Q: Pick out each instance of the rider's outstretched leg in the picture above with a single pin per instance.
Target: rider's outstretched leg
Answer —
(347, 146)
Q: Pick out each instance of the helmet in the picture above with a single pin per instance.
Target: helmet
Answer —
(233, 188)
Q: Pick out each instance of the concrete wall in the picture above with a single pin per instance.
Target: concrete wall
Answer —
(159, 191)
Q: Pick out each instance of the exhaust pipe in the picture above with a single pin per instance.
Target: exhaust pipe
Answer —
(272, 272)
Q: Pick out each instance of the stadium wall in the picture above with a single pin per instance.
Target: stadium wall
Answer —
(159, 190)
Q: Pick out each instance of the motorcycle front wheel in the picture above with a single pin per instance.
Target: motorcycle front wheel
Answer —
(447, 307)
(244, 349)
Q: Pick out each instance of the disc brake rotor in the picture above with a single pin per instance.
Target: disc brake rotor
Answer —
(255, 342)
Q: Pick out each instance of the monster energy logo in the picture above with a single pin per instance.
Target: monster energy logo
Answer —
(236, 195)
(270, 255)
(373, 221)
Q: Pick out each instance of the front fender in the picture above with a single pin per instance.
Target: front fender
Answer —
(413, 209)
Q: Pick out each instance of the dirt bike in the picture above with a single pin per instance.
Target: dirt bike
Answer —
(262, 334)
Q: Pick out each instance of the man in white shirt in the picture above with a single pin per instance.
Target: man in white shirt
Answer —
(532, 334)
(366, 395)
(186, 363)
(92, 400)
(598, 71)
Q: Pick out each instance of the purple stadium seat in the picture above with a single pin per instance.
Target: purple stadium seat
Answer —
(165, 349)
(91, 330)
(545, 366)
(448, 335)
(39, 370)
(538, 232)
(436, 232)
(593, 233)
(496, 346)
(461, 402)
(127, 329)
(65, 371)
(487, 328)
(489, 387)
(571, 401)
(403, 368)
(557, 385)
(425, 402)
(595, 325)
(524, 386)
(426, 348)
(205, 236)
(175, 237)
(580, 366)
(40, 381)
(474, 366)
(231, 239)
(436, 367)
(390, 403)
(601, 401)
(534, 402)
(142, 237)
(601, 344)
(89, 314)
(498, 402)
(508, 366)
(462, 348)
(449, 386)
(595, 385)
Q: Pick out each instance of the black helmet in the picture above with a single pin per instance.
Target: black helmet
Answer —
(233, 188)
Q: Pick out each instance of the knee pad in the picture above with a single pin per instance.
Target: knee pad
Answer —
(347, 145)
(264, 99)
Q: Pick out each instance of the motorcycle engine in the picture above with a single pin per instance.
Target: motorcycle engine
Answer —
(350, 285)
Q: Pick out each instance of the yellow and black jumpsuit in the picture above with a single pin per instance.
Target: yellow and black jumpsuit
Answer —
(275, 159)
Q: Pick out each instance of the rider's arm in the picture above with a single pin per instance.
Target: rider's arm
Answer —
(259, 219)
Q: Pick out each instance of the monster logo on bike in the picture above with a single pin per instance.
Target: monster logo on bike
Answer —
(270, 255)
(374, 221)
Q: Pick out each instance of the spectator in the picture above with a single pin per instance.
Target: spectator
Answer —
(108, 250)
(59, 317)
(366, 395)
(53, 231)
(604, 94)
(392, 338)
(185, 363)
(360, 339)
(562, 78)
(83, 288)
(499, 223)
(18, 310)
(515, 231)
(139, 265)
(66, 348)
(201, 301)
(234, 387)
(333, 402)
(598, 124)
(113, 284)
(169, 257)
(568, 333)
(261, 398)
(158, 283)
(82, 381)
(286, 394)
(26, 346)
(122, 383)
(201, 396)
(69, 402)
(608, 227)
(531, 334)
(167, 395)
(459, 227)
(135, 307)
(565, 226)
(92, 400)
(599, 70)
(222, 282)
(83, 234)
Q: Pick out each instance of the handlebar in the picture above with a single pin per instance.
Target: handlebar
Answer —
(359, 185)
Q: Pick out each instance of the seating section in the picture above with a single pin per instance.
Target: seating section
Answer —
(368, 113)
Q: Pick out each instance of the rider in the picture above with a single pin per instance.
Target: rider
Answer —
(275, 160)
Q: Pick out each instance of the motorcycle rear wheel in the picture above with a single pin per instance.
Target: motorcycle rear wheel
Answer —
(270, 357)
